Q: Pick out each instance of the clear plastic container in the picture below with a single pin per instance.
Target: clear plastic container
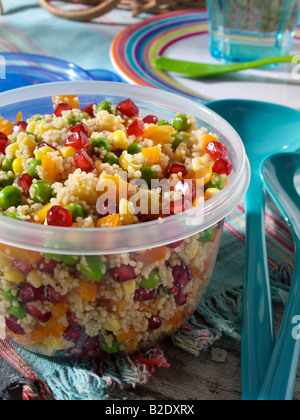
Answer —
(70, 316)
(245, 30)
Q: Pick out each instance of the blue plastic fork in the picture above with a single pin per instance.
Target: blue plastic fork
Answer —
(279, 176)
(265, 129)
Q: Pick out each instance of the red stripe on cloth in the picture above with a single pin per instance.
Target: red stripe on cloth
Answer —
(11, 355)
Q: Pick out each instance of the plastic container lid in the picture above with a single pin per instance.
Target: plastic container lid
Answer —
(28, 69)
(76, 241)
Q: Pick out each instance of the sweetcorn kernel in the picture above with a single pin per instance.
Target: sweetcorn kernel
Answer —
(39, 153)
(11, 150)
(17, 166)
(14, 276)
(120, 139)
(127, 218)
(211, 192)
(68, 151)
(129, 287)
(113, 325)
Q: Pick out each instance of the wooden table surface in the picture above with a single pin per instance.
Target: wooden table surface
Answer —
(194, 378)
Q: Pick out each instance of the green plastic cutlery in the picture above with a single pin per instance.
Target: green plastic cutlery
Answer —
(198, 70)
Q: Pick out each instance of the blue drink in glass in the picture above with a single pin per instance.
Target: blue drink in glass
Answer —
(246, 30)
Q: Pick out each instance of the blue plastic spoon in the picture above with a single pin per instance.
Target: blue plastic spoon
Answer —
(266, 129)
(279, 176)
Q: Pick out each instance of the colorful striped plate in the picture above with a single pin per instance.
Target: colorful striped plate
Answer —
(184, 35)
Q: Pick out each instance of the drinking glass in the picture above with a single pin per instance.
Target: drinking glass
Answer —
(246, 30)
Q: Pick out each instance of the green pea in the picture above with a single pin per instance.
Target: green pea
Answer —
(8, 181)
(148, 174)
(112, 159)
(70, 259)
(207, 235)
(74, 118)
(162, 122)
(94, 268)
(216, 182)
(40, 191)
(52, 256)
(178, 139)
(114, 348)
(105, 106)
(32, 168)
(135, 148)
(7, 164)
(152, 281)
(8, 294)
(18, 311)
(10, 197)
(99, 143)
(13, 216)
(180, 122)
(77, 210)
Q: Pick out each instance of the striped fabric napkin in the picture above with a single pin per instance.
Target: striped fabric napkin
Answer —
(25, 27)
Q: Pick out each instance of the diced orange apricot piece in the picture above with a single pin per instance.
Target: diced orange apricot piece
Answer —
(208, 138)
(176, 318)
(159, 134)
(148, 308)
(31, 257)
(130, 335)
(88, 290)
(109, 221)
(153, 255)
(120, 305)
(50, 168)
(6, 127)
(69, 99)
(19, 117)
(153, 154)
(205, 174)
(40, 215)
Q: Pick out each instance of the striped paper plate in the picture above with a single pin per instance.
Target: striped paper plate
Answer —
(184, 35)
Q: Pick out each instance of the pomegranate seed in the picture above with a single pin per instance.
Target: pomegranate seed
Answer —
(128, 108)
(60, 108)
(216, 150)
(25, 182)
(73, 334)
(176, 207)
(52, 296)
(222, 166)
(20, 126)
(150, 119)
(29, 294)
(143, 295)
(187, 189)
(154, 322)
(117, 152)
(23, 267)
(13, 326)
(71, 318)
(89, 109)
(37, 314)
(136, 128)
(180, 299)
(175, 245)
(47, 267)
(175, 168)
(42, 144)
(123, 273)
(182, 275)
(84, 162)
(174, 290)
(58, 216)
(4, 142)
(78, 140)
(79, 127)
